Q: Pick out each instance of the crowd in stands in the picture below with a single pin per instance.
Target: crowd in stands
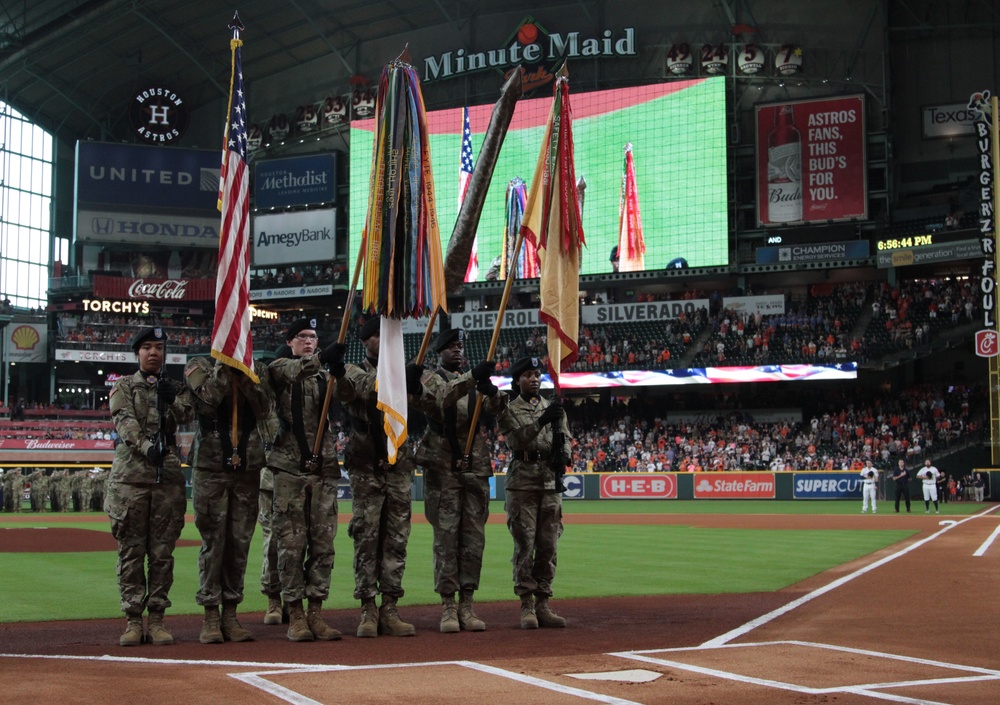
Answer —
(333, 273)
(841, 433)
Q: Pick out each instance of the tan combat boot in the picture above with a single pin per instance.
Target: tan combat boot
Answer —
(467, 617)
(273, 614)
(298, 627)
(132, 635)
(158, 633)
(210, 631)
(320, 629)
(546, 617)
(449, 615)
(389, 621)
(528, 618)
(232, 630)
(368, 628)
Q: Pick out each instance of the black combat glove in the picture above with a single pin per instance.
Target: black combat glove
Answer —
(483, 370)
(487, 388)
(166, 391)
(333, 357)
(553, 414)
(154, 455)
(413, 373)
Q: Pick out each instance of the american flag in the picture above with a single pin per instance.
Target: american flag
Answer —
(231, 343)
(464, 176)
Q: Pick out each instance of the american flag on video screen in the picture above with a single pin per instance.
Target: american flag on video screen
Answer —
(464, 176)
(231, 342)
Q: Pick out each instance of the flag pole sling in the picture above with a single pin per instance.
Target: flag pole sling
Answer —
(494, 340)
(341, 337)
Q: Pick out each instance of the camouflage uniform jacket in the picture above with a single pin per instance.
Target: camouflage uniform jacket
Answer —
(448, 421)
(299, 385)
(212, 386)
(137, 421)
(530, 444)
(366, 444)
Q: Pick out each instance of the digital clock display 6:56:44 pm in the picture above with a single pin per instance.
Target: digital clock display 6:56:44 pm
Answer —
(896, 243)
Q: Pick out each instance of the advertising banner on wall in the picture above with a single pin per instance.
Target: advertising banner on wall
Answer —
(638, 312)
(826, 485)
(146, 195)
(294, 237)
(26, 342)
(814, 252)
(63, 355)
(764, 305)
(811, 161)
(734, 485)
(295, 181)
(639, 486)
(153, 290)
(290, 292)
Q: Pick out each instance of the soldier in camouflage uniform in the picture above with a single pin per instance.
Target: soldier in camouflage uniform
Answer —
(62, 489)
(456, 486)
(380, 525)
(145, 495)
(13, 483)
(226, 483)
(304, 517)
(39, 490)
(534, 502)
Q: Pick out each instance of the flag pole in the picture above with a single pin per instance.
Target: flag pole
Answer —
(341, 337)
(494, 340)
(427, 337)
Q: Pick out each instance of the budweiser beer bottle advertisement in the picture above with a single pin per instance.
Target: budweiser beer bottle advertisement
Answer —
(784, 169)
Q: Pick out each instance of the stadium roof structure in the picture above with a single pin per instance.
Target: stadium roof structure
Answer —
(70, 65)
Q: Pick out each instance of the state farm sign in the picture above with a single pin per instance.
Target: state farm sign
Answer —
(636, 486)
(734, 485)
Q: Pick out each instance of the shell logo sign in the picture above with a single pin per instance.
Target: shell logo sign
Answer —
(26, 342)
(25, 338)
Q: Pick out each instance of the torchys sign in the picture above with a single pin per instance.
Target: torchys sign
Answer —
(535, 49)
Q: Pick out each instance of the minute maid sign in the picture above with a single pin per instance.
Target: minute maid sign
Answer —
(530, 45)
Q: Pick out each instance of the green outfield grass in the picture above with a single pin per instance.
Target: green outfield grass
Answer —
(594, 560)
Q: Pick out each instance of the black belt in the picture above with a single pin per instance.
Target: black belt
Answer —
(528, 456)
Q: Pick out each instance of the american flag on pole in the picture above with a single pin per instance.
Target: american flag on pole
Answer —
(464, 176)
(231, 343)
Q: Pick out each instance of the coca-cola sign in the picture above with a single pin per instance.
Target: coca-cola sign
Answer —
(147, 289)
(166, 289)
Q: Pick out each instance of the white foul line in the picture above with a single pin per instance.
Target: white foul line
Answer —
(774, 614)
(986, 544)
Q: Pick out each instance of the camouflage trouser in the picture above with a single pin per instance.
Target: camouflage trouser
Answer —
(457, 507)
(380, 527)
(534, 519)
(305, 523)
(146, 520)
(270, 581)
(225, 512)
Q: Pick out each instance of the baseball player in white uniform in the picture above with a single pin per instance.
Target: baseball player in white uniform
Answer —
(869, 487)
(929, 475)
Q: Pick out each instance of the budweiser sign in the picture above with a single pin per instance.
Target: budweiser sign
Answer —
(54, 444)
(166, 289)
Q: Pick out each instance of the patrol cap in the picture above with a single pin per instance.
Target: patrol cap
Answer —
(369, 328)
(523, 365)
(299, 326)
(145, 334)
(448, 337)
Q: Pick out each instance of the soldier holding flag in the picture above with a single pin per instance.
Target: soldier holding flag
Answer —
(145, 497)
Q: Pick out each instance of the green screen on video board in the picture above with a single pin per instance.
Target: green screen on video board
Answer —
(678, 136)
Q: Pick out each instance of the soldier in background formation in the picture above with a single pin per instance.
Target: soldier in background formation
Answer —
(304, 510)
(39, 482)
(145, 497)
(380, 525)
(13, 486)
(226, 485)
(456, 486)
(539, 439)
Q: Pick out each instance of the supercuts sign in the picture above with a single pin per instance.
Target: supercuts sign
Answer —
(106, 287)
